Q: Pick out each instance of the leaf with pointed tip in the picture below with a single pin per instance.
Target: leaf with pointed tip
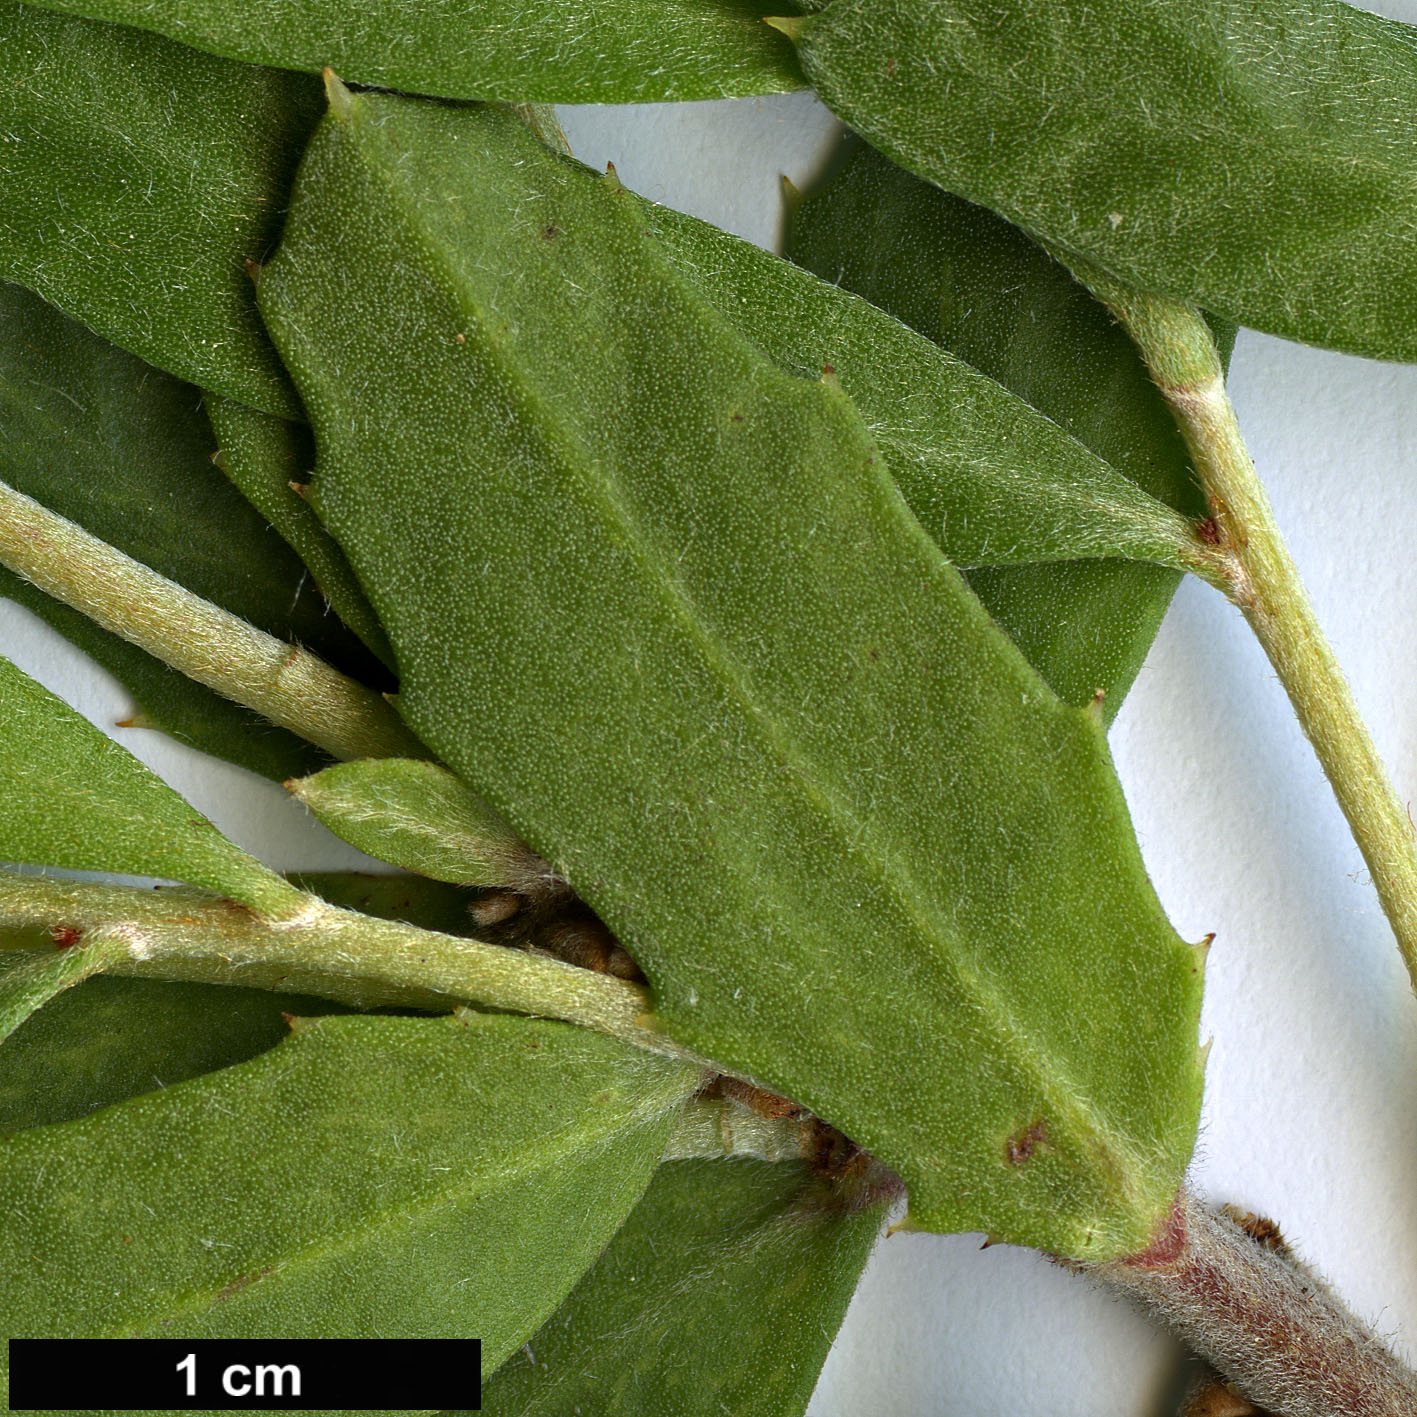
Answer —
(699, 654)
(520, 51)
(368, 1177)
(1251, 157)
(110, 1039)
(124, 450)
(995, 483)
(75, 799)
(980, 288)
(267, 457)
(419, 816)
(137, 176)
(748, 1264)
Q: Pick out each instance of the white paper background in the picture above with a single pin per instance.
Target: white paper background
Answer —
(1308, 1112)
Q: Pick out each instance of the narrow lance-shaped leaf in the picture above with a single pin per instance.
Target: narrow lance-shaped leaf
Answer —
(137, 176)
(371, 1177)
(267, 458)
(76, 799)
(978, 286)
(419, 816)
(722, 1293)
(1254, 157)
(536, 51)
(993, 481)
(699, 654)
(122, 449)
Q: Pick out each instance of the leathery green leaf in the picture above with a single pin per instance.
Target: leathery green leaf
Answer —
(75, 799)
(267, 458)
(721, 1293)
(419, 816)
(29, 979)
(980, 288)
(110, 1039)
(1253, 157)
(372, 1177)
(545, 51)
(993, 481)
(699, 654)
(124, 450)
(137, 176)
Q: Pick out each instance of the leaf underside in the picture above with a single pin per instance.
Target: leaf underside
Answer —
(721, 1293)
(701, 657)
(1255, 159)
(521, 51)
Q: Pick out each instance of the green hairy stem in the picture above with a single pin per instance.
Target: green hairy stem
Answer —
(287, 684)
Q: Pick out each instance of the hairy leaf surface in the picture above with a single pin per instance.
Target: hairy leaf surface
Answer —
(368, 1177)
(111, 1039)
(699, 654)
(980, 288)
(137, 176)
(416, 815)
(76, 799)
(993, 482)
(751, 1262)
(1253, 157)
(124, 450)
(267, 457)
(521, 51)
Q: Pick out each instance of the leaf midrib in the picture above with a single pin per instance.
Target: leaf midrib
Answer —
(1121, 1166)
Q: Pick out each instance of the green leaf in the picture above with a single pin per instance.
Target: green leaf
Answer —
(722, 1293)
(414, 899)
(137, 176)
(111, 1039)
(124, 450)
(992, 481)
(522, 51)
(266, 457)
(698, 653)
(371, 1177)
(77, 800)
(419, 816)
(980, 288)
(1248, 156)
(29, 979)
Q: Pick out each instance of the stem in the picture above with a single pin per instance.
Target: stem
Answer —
(1278, 1333)
(284, 683)
(1262, 581)
(321, 949)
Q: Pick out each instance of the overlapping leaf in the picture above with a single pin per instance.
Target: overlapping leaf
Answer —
(137, 177)
(974, 284)
(124, 450)
(75, 799)
(111, 1039)
(1253, 157)
(416, 815)
(590, 51)
(267, 458)
(424, 1177)
(993, 482)
(697, 651)
(721, 1293)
